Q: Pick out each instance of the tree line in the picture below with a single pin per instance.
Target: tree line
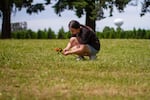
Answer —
(111, 33)
(41, 34)
(107, 33)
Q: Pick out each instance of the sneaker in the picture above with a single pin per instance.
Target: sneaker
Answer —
(80, 58)
(93, 57)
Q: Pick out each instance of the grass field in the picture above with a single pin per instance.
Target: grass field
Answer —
(32, 70)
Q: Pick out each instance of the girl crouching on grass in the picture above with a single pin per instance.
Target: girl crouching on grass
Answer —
(83, 41)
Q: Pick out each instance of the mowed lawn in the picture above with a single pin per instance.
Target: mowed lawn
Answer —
(32, 70)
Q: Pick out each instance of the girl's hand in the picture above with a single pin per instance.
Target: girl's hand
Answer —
(64, 50)
(66, 53)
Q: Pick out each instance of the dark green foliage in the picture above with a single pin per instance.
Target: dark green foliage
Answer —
(68, 34)
(24, 34)
(61, 34)
(20, 34)
(51, 34)
(110, 33)
(148, 34)
(92, 9)
(42, 34)
(31, 34)
(120, 4)
(145, 7)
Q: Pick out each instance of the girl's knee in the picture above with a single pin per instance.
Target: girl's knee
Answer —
(74, 41)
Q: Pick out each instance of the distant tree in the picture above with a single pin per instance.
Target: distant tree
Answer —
(139, 32)
(100, 35)
(68, 34)
(51, 34)
(6, 8)
(134, 33)
(31, 34)
(148, 34)
(42, 34)
(143, 35)
(108, 32)
(61, 34)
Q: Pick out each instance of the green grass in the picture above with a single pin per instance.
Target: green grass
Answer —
(32, 70)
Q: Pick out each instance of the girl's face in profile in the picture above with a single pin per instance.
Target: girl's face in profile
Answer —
(74, 31)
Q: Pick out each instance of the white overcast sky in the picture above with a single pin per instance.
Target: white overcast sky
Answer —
(48, 19)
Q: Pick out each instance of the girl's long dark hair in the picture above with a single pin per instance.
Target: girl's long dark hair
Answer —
(74, 24)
